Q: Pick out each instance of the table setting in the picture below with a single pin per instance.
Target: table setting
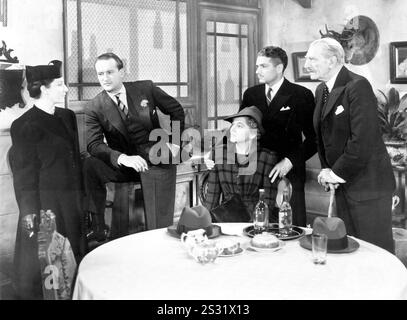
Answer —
(197, 259)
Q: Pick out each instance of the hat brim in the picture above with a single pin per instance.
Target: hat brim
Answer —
(230, 119)
(216, 231)
(353, 245)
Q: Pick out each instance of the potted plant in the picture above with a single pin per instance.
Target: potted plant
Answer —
(392, 113)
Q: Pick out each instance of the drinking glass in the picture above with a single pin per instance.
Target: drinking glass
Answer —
(319, 248)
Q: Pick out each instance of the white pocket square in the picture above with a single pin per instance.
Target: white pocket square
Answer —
(285, 108)
(339, 110)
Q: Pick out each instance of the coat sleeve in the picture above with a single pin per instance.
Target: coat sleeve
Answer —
(25, 166)
(363, 126)
(169, 106)
(309, 145)
(95, 138)
(245, 101)
(270, 189)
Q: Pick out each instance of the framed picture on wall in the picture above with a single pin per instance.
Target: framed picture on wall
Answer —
(300, 73)
(398, 62)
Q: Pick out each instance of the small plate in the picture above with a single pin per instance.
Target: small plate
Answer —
(238, 251)
(295, 233)
(281, 244)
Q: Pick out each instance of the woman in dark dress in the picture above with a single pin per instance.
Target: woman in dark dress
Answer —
(46, 167)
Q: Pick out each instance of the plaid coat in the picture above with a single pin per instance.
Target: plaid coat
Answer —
(225, 179)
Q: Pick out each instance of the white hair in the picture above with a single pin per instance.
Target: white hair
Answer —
(331, 48)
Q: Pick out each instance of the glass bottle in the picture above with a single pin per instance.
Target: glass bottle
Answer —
(285, 216)
(261, 214)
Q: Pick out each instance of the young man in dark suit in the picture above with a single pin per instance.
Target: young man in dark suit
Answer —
(287, 116)
(353, 156)
(125, 114)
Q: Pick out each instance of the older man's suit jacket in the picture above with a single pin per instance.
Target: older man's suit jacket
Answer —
(288, 116)
(350, 140)
(103, 119)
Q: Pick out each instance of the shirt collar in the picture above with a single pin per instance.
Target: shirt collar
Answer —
(275, 87)
(331, 82)
(122, 95)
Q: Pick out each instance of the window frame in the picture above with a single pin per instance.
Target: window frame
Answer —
(189, 100)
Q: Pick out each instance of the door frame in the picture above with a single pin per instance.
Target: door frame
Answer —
(227, 14)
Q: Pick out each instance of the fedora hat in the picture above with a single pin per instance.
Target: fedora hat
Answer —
(193, 219)
(334, 228)
(252, 112)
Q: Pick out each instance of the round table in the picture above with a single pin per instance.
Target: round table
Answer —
(154, 265)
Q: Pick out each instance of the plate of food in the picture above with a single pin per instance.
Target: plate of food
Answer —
(229, 247)
(294, 233)
(266, 242)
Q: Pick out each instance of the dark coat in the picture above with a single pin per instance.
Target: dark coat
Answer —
(103, 119)
(46, 167)
(284, 128)
(350, 140)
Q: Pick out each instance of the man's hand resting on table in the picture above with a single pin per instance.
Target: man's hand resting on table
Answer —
(135, 162)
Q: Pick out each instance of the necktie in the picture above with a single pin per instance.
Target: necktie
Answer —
(122, 106)
(325, 96)
(268, 95)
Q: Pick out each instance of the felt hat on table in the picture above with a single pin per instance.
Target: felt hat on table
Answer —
(193, 219)
(334, 228)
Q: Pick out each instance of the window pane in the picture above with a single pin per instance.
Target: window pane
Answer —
(244, 29)
(228, 75)
(73, 94)
(245, 66)
(211, 76)
(143, 33)
(183, 44)
(184, 91)
(156, 26)
(223, 124)
(99, 37)
(72, 42)
(211, 125)
(171, 90)
(210, 26)
(231, 28)
(90, 92)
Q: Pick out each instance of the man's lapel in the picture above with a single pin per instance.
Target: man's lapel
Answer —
(337, 90)
(318, 107)
(112, 114)
(280, 99)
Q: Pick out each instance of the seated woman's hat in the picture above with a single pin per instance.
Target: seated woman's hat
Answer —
(44, 72)
(252, 112)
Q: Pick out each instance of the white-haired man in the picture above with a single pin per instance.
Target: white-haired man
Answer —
(350, 146)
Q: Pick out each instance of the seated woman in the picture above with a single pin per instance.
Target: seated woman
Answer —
(47, 174)
(244, 168)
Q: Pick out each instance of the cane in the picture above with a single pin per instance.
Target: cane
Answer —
(331, 199)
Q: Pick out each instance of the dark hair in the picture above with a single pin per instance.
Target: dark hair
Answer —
(275, 53)
(34, 88)
(111, 55)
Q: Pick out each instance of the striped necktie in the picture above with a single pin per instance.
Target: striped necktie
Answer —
(268, 95)
(122, 106)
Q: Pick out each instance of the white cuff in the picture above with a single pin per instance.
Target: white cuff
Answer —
(339, 179)
(120, 157)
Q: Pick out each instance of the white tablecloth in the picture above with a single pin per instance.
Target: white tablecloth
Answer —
(153, 265)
